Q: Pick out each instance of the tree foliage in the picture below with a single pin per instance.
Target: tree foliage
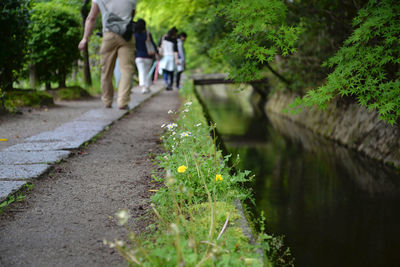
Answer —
(258, 32)
(14, 21)
(242, 35)
(55, 32)
(367, 66)
(197, 18)
(326, 25)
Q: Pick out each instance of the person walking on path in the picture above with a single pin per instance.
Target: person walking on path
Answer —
(182, 58)
(144, 54)
(117, 41)
(169, 51)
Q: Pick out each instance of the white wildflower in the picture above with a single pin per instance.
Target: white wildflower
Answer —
(119, 243)
(162, 126)
(171, 126)
(185, 134)
(174, 228)
(197, 125)
(123, 216)
(170, 112)
(185, 110)
(173, 133)
(188, 104)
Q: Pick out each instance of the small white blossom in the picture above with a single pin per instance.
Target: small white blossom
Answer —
(185, 134)
(174, 228)
(170, 112)
(171, 126)
(185, 110)
(188, 104)
(197, 125)
(162, 126)
(123, 216)
(173, 133)
(119, 243)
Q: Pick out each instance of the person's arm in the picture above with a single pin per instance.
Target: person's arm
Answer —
(176, 58)
(155, 46)
(180, 51)
(152, 41)
(176, 52)
(89, 25)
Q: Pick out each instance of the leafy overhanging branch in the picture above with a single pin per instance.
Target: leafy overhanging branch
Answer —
(367, 67)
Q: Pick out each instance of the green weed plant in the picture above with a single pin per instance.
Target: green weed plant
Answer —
(195, 222)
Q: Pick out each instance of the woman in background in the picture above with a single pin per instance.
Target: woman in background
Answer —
(144, 58)
(169, 50)
(182, 58)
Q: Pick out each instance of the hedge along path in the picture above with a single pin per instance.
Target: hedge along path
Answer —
(64, 220)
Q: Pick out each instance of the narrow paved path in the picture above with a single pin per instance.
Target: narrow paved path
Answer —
(17, 127)
(67, 215)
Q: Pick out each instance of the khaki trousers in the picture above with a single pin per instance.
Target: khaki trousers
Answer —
(112, 46)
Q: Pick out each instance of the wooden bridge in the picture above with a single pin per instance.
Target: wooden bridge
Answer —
(219, 78)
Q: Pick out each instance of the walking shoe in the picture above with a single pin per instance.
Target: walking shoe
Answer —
(169, 88)
(145, 90)
(126, 107)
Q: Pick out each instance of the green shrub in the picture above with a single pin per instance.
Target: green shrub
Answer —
(14, 21)
(55, 32)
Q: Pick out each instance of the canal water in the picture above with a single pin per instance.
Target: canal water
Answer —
(334, 207)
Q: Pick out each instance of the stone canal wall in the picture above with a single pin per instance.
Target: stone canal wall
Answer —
(346, 123)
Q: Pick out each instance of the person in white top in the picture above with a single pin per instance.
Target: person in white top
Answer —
(117, 40)
(182, 58)
(169, 50)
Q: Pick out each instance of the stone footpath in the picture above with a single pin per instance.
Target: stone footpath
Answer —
(28, 160)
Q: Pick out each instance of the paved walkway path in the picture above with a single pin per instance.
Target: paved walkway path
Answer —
(34, 156)
(69, 212)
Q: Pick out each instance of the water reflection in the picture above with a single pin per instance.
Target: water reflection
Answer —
(335, 207)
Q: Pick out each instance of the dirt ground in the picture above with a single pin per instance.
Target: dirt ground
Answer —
(64, 220)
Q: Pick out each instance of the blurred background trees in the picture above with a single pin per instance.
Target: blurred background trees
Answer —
(14, 21)
(54, 31)
(318, 48)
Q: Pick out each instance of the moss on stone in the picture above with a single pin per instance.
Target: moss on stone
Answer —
(69, 93)
(26, 98)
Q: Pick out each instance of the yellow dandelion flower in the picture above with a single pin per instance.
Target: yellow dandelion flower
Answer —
(218, 177)
(182, 169)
